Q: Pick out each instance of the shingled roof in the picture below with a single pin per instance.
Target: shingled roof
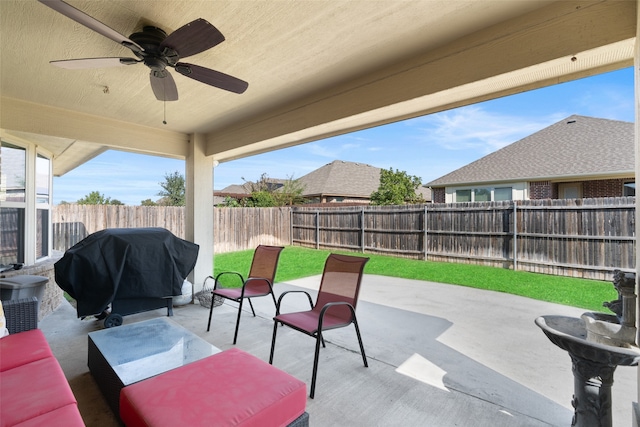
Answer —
(340, 178)
(577, 146)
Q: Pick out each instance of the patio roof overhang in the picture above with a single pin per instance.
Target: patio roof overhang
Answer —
(315, 69)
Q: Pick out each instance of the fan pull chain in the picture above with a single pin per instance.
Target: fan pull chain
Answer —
(164, 107)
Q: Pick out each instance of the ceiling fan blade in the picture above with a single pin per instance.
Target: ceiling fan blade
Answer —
(91, 23)
(194, 37)
(88, 63)
(163, 85)
(212, 77)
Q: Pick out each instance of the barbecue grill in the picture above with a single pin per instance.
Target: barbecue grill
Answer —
(130, 270)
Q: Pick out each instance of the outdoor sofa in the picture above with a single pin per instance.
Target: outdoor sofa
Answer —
(33, 389)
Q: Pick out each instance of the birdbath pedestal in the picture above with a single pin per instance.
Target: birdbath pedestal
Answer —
(593, 366)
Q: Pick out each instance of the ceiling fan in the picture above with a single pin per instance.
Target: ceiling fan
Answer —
(157, 50)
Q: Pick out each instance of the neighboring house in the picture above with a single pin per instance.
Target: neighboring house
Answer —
(241, 191)
(578, 157)
(341, 182)
(345, 182)
(335, 182)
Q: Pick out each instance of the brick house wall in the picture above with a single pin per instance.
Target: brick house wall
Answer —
(604, 188)
(541, 190)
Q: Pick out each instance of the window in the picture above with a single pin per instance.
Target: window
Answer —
(502, 193)
(43, 179)
(42, 233)
(13, 173)
(43, 196)
(13, 180)
(482, 195)
(629, 189)
(463, 196)
(11, 236)
(25, 203)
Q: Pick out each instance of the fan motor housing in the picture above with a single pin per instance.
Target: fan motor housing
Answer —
(149, 38)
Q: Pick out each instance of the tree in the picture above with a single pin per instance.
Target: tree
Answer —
(263, 193)
(262, 184)
(290, 193)
(173, 189)
(230, 202)
(97, 198)
(396, 188)
(260, 199)
(148, 202)
(266, 192)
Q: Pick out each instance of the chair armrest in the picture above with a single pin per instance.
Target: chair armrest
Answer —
(21, 314)
(258, 279)
(328, 305)
(215, 286)
(292, 292)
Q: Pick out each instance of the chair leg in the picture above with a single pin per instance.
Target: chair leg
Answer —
(251, 305)
(235, 335)
(273, 341)
(210, 312)
(275, 303)
(364, 357)
(315, 364)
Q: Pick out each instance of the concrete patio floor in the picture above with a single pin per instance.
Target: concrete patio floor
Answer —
(439, 355)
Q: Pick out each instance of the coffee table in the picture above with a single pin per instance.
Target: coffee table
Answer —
(124, 355)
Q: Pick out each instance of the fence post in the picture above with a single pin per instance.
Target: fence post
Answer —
(317, 229)
(425, 224)
(290, 225)
(515, 235)
(362, 228)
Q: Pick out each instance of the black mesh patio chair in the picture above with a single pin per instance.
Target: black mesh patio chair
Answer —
(335, 306)
(258, 284)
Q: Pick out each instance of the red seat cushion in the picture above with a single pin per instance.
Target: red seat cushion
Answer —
(67, 416)
(231, 388)
(32, 390)
(22, 348)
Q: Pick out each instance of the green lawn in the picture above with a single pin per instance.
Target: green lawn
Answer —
(296, 262)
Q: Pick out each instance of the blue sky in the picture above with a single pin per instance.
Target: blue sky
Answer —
(428, 147)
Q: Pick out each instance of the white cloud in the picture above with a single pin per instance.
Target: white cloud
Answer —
(479, 129)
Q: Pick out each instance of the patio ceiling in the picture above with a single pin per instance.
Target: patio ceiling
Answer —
(315, 68)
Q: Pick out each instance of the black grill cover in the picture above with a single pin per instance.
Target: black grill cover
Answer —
(120, 263)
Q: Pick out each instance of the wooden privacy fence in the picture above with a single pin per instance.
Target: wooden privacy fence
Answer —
(583, 237)
(234, 228)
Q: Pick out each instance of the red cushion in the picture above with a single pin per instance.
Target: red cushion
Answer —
(231, 388)
(32, 390)
(67, 416)
(22, 348)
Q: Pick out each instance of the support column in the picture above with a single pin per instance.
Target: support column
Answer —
(636, 78)
(199, 207)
